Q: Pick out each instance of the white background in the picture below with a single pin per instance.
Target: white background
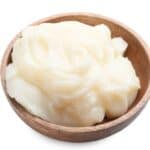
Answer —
(15, 15)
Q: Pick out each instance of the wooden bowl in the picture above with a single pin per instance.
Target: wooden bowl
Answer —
(137, 52)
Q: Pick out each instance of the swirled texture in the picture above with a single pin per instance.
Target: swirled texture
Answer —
(72, 74)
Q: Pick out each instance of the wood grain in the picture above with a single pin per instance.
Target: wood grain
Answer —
(139, 54)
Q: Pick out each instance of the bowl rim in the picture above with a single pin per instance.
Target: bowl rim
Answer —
(102, 126)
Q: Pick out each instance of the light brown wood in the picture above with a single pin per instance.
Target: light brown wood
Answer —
(137, 52)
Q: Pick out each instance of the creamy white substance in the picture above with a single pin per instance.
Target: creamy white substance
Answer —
(72, 74)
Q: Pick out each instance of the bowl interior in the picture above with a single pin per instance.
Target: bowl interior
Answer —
(135, 51)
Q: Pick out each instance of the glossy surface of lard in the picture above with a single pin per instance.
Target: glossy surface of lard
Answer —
(71, 74)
